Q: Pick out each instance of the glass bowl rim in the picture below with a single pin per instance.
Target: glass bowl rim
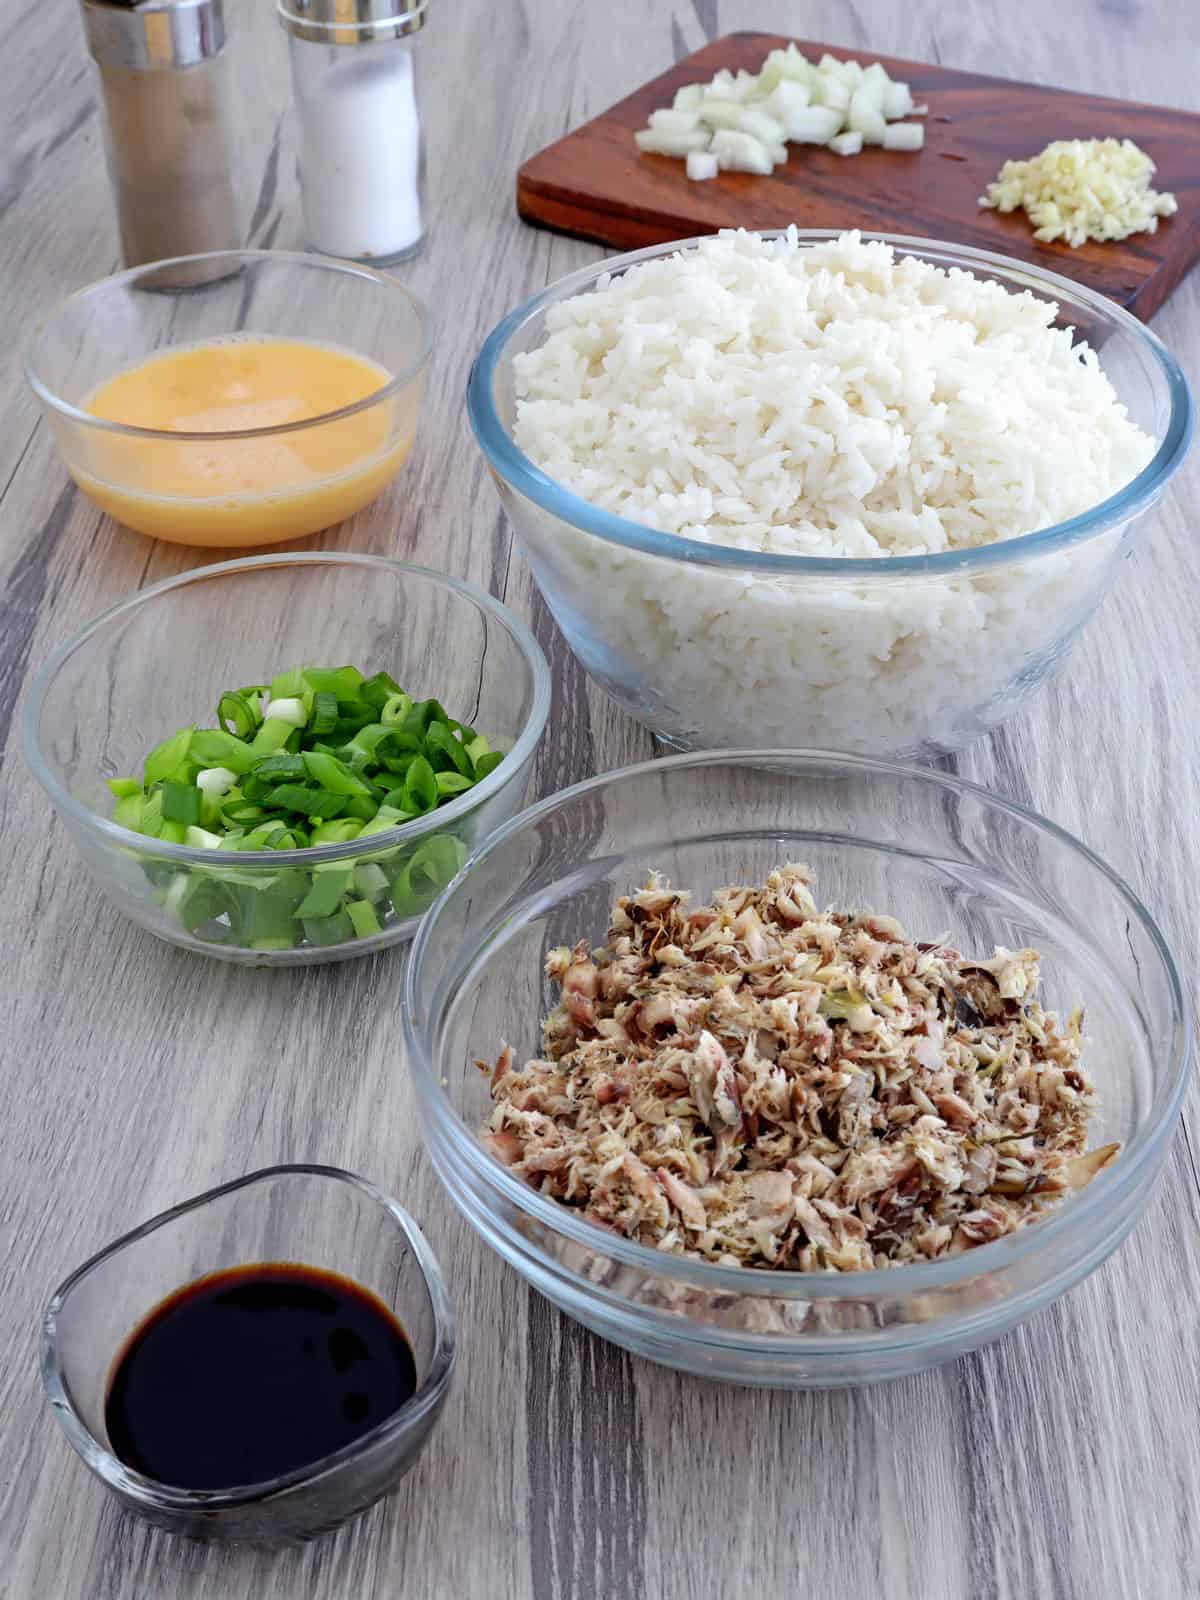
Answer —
(169, 1497)
(510, 462)
(432, 822)
(1107, 1191)
(295, 258)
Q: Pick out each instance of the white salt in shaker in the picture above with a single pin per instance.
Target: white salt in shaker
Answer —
(361, 156)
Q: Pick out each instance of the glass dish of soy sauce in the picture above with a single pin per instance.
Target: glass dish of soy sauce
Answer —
(261, 1362)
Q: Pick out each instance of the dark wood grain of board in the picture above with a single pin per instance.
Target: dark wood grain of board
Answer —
(596, 183)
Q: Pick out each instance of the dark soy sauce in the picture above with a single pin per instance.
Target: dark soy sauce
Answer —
(255, 1372)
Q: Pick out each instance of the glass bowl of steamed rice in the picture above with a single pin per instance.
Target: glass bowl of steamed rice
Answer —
(824, 490)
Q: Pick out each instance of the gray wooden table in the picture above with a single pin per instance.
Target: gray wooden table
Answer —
(1062, 1462)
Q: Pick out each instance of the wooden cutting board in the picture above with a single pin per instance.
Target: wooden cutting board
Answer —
(597, 184)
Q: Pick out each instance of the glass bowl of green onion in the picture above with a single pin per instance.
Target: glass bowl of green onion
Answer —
(284, 759)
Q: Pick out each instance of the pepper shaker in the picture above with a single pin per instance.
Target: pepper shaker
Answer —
(162, 75)
(361, 152)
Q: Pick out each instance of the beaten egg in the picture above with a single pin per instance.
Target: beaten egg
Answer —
(242, 472)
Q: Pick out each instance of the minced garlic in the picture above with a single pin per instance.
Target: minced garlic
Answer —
(1080, 189)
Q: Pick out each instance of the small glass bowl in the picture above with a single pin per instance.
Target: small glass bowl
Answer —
(711, 646)
(315, 1216)
(314, 472)
(162, 658)
(948, 859)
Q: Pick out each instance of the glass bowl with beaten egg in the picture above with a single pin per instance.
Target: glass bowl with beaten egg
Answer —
(233, 399)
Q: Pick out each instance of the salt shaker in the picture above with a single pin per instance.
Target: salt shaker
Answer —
(162, 74)
(361, 156)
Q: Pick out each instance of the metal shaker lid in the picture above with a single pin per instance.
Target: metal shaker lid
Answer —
(352, 21)
(153, 33)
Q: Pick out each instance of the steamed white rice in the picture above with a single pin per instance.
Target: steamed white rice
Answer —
(830, 400)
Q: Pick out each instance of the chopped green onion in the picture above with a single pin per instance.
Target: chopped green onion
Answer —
(287, 685)
(330, 885)
(241, 814)
(363, 747)
(362, 916)
(212, 747)
(271, 736)
(205, 902)
(420, 787)
(201, 839)
(362, 807)
(488, 763)
(281, 768)
(399, 750)
(286, 710)
(333, 774)
(181, 802)
(216, 781)
(329, 930)
(127, 812)
(176, 893)
(396, 708)
(264, 836)
(422, 878)
(166, 757)
(340, 831)
(152, 814)
(323, 718)
(322, 756)
(386, 817)
(370, 880)
(236, 715)
(377, 691)
(342, 682)
(309, 802)
(269, 913)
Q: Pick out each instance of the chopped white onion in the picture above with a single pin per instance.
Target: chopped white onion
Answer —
(744, 121)
(761, 124)
(832, 92)
(786, 99)
(689, 97)
(674, 121)
(741, 152)
(865, 117)
(671, 144)
(904, 136)
(875, 82)
(897, 101)
(814, 125)
(719, 112)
